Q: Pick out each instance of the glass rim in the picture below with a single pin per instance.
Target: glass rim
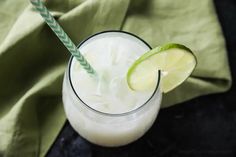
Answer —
(106, 113)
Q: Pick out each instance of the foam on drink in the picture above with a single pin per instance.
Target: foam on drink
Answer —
(111, 56)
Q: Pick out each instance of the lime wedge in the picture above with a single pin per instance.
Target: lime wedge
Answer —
(175, 61)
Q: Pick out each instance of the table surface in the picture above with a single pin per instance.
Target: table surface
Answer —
(204, 126)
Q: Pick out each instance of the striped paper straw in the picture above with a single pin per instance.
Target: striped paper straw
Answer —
(62, 35)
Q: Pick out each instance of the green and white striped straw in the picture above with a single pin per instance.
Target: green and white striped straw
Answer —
(62, 35)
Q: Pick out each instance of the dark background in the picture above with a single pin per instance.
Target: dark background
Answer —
(202, 127)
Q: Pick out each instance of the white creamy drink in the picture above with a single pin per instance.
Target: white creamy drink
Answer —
(104, 110)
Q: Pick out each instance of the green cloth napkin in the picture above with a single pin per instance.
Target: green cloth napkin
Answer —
(32, 59)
